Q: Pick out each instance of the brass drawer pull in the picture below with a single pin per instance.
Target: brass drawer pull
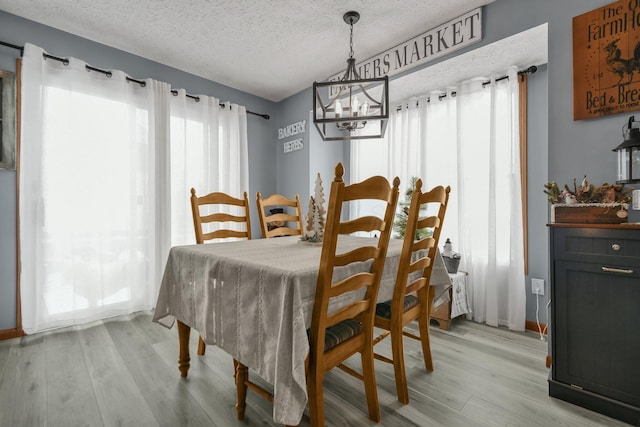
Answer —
(615, 247)
(617, 270)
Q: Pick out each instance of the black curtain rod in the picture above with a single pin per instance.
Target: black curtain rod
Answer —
(13, 46)
(532, 69)
(108, 73)
(142, 83)
(196, 98)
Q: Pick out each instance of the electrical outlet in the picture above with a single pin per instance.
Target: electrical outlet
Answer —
(537, 286)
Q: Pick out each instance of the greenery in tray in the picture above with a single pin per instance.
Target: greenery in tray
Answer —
(400, 223)
(586, 193)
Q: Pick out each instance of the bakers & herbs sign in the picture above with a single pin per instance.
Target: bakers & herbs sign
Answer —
(606, 60)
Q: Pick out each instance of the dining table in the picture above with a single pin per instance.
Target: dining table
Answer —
(254, 300)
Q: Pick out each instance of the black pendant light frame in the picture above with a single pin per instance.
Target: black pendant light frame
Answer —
(328, 113)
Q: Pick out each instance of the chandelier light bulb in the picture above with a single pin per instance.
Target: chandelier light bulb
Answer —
(365, 108)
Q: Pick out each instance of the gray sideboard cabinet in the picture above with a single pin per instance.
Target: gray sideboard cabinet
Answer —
(595, 317)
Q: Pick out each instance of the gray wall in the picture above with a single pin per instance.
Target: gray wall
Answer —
(293, 167)
(559, 148)
(575, 147)
(538, 207)
(7, 220)
(261, 132)
(323, 158)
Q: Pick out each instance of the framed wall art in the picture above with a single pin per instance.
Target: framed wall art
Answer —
(8, 124)
(606, 60)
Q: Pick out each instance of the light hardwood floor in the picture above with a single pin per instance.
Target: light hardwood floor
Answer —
(124, 372)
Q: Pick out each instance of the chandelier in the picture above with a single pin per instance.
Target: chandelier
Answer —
(352, 107)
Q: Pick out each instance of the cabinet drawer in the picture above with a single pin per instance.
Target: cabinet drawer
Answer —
(616, 247)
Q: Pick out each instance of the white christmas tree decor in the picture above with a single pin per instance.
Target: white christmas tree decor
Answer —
(315, 218)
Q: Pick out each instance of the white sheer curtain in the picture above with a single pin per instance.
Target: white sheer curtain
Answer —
(470, 142)
(93, 164)
(106, 168)
(209, 152)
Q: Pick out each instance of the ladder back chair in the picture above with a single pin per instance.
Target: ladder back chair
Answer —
(219, 202)
(275, 224)
(412, 279)
(334, 337)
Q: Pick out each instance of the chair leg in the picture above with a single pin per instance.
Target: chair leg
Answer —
(397, 349)
(370, 386)
(423, 324)
(316, 398)
(241, 373)
(201, 346)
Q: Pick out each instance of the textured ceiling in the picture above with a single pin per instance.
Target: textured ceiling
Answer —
(269, 48)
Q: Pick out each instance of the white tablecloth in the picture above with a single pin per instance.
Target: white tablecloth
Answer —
(254, 299)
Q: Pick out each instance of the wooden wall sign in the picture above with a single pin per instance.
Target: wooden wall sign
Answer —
(606, 60)
(460, 32)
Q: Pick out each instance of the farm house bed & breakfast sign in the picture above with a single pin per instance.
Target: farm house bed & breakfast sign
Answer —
(606, 60)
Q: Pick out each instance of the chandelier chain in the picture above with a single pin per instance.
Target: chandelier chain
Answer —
(351, 41)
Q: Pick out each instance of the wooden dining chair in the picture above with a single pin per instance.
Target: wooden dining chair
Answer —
(219, 202)
(412, 295)
(336, 336)
(278, 224)
(226, 209)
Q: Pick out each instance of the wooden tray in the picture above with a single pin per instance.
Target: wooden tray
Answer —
(589, 213)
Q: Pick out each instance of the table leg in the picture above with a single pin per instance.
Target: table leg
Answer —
(183, 338)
